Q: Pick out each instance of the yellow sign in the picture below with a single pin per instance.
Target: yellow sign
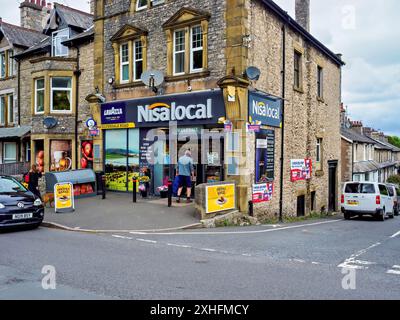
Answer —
(129, 125)
(64, 197)
(220, 198)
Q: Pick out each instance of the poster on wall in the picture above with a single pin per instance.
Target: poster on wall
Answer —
(60, 155)
(87, 155)
(220, 198)
(300, 169)
(265, 156)
(262, 192)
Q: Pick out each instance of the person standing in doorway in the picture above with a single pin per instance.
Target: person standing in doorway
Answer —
(185, 173)
(33, 185)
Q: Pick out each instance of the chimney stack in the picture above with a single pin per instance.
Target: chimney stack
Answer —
(303, 13)
(32, 14)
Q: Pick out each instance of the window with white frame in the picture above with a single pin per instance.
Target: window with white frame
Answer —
(10, 111)
(61, 95)
(141, 4)
(39, 96)
(137, 60)
(2, 110)
(10, 152)
(179, 52)
(124, 56)
(2, 64)
(319, 150)
(28, 151)
(58, 49)
(196, 49)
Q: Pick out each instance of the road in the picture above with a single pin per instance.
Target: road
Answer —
(296, 261)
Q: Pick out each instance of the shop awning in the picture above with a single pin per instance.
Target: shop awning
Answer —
(15, 132)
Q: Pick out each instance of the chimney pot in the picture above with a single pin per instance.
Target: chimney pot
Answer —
(303, 13)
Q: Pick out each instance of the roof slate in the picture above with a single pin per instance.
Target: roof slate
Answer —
(19, 36)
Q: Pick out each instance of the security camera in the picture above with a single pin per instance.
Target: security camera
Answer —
(189, 88)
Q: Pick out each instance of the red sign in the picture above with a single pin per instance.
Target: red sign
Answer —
(263, 192)
(300, 169)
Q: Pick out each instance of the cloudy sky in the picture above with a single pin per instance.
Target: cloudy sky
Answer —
(367, 32)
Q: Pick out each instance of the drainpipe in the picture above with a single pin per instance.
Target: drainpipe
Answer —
(77, 74)
(19, 93)
(283, 122)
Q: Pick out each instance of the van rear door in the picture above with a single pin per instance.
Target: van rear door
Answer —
(352, 196)
(368, 197)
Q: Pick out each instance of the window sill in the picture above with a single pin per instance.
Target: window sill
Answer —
(299, 90)
(129, 85)
(188, 76)
(7, 78)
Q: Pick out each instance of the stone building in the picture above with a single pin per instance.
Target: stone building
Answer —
(56, 76)
(206, 48)
(14, 132)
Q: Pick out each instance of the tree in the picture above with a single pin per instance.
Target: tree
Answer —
(395, 141)
(394, 179)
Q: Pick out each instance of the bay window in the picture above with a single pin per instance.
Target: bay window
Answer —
(124, 55)
(10, 152)
(61, 95)
(2, 64)
(2, 110)
(10, 111)
(58, 49)
(179, 52)
(39, 96)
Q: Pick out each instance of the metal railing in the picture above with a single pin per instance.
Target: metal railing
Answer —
(13, 169)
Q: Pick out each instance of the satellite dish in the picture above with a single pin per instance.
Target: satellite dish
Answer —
(152, 79)
(252, 73)
(50, 123)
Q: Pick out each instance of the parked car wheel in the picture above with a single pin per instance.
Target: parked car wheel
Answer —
(383, 215)
(392, 214)
(347, 215)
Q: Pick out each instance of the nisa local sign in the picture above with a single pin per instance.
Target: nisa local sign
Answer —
(164, 112)
(198, 108)
(265, 110)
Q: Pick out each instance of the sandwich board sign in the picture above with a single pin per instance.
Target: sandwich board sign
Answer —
(64, 197)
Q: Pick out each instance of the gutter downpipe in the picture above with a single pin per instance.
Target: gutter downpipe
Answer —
(77, 74)
(283, 122)
(19, 93)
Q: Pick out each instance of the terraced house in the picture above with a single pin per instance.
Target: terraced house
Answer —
(242, 64)
(14, 131)
(56, 75)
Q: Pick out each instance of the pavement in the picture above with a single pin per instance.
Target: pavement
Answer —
(302, 261)
(118, 213)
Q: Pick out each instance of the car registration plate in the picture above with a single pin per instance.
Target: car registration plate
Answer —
(352, 203)
(21, 216)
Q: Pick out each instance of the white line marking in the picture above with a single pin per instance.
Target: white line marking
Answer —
(208, 250)
(316, 263)
(396, 272)
(299, 260)
(239, 232)
(148, 241)
(396, 267)
(395, 235)
(353, 263)
(122, 237)
(178, 245)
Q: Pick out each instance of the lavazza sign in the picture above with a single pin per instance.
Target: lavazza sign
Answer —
(163, 112)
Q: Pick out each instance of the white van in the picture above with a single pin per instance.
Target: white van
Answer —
(367, 198)
(394, 192)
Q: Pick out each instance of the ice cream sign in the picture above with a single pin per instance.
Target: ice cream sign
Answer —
(264, 110)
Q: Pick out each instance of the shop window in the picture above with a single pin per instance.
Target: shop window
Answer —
(187, 42)
(297, 70)
(10, 109)
(60, 155)
(61, 94)
(10, 152)
(39, 96)
(265, 156)
(57, 48)
(2, 64)
(2, 110)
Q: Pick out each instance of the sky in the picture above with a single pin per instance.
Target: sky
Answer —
(366, 32)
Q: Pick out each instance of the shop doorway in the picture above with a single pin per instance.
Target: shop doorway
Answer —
(332, 185)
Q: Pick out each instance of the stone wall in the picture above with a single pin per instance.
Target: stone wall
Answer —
(347, 160)
(306, 117)
(152, 20)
